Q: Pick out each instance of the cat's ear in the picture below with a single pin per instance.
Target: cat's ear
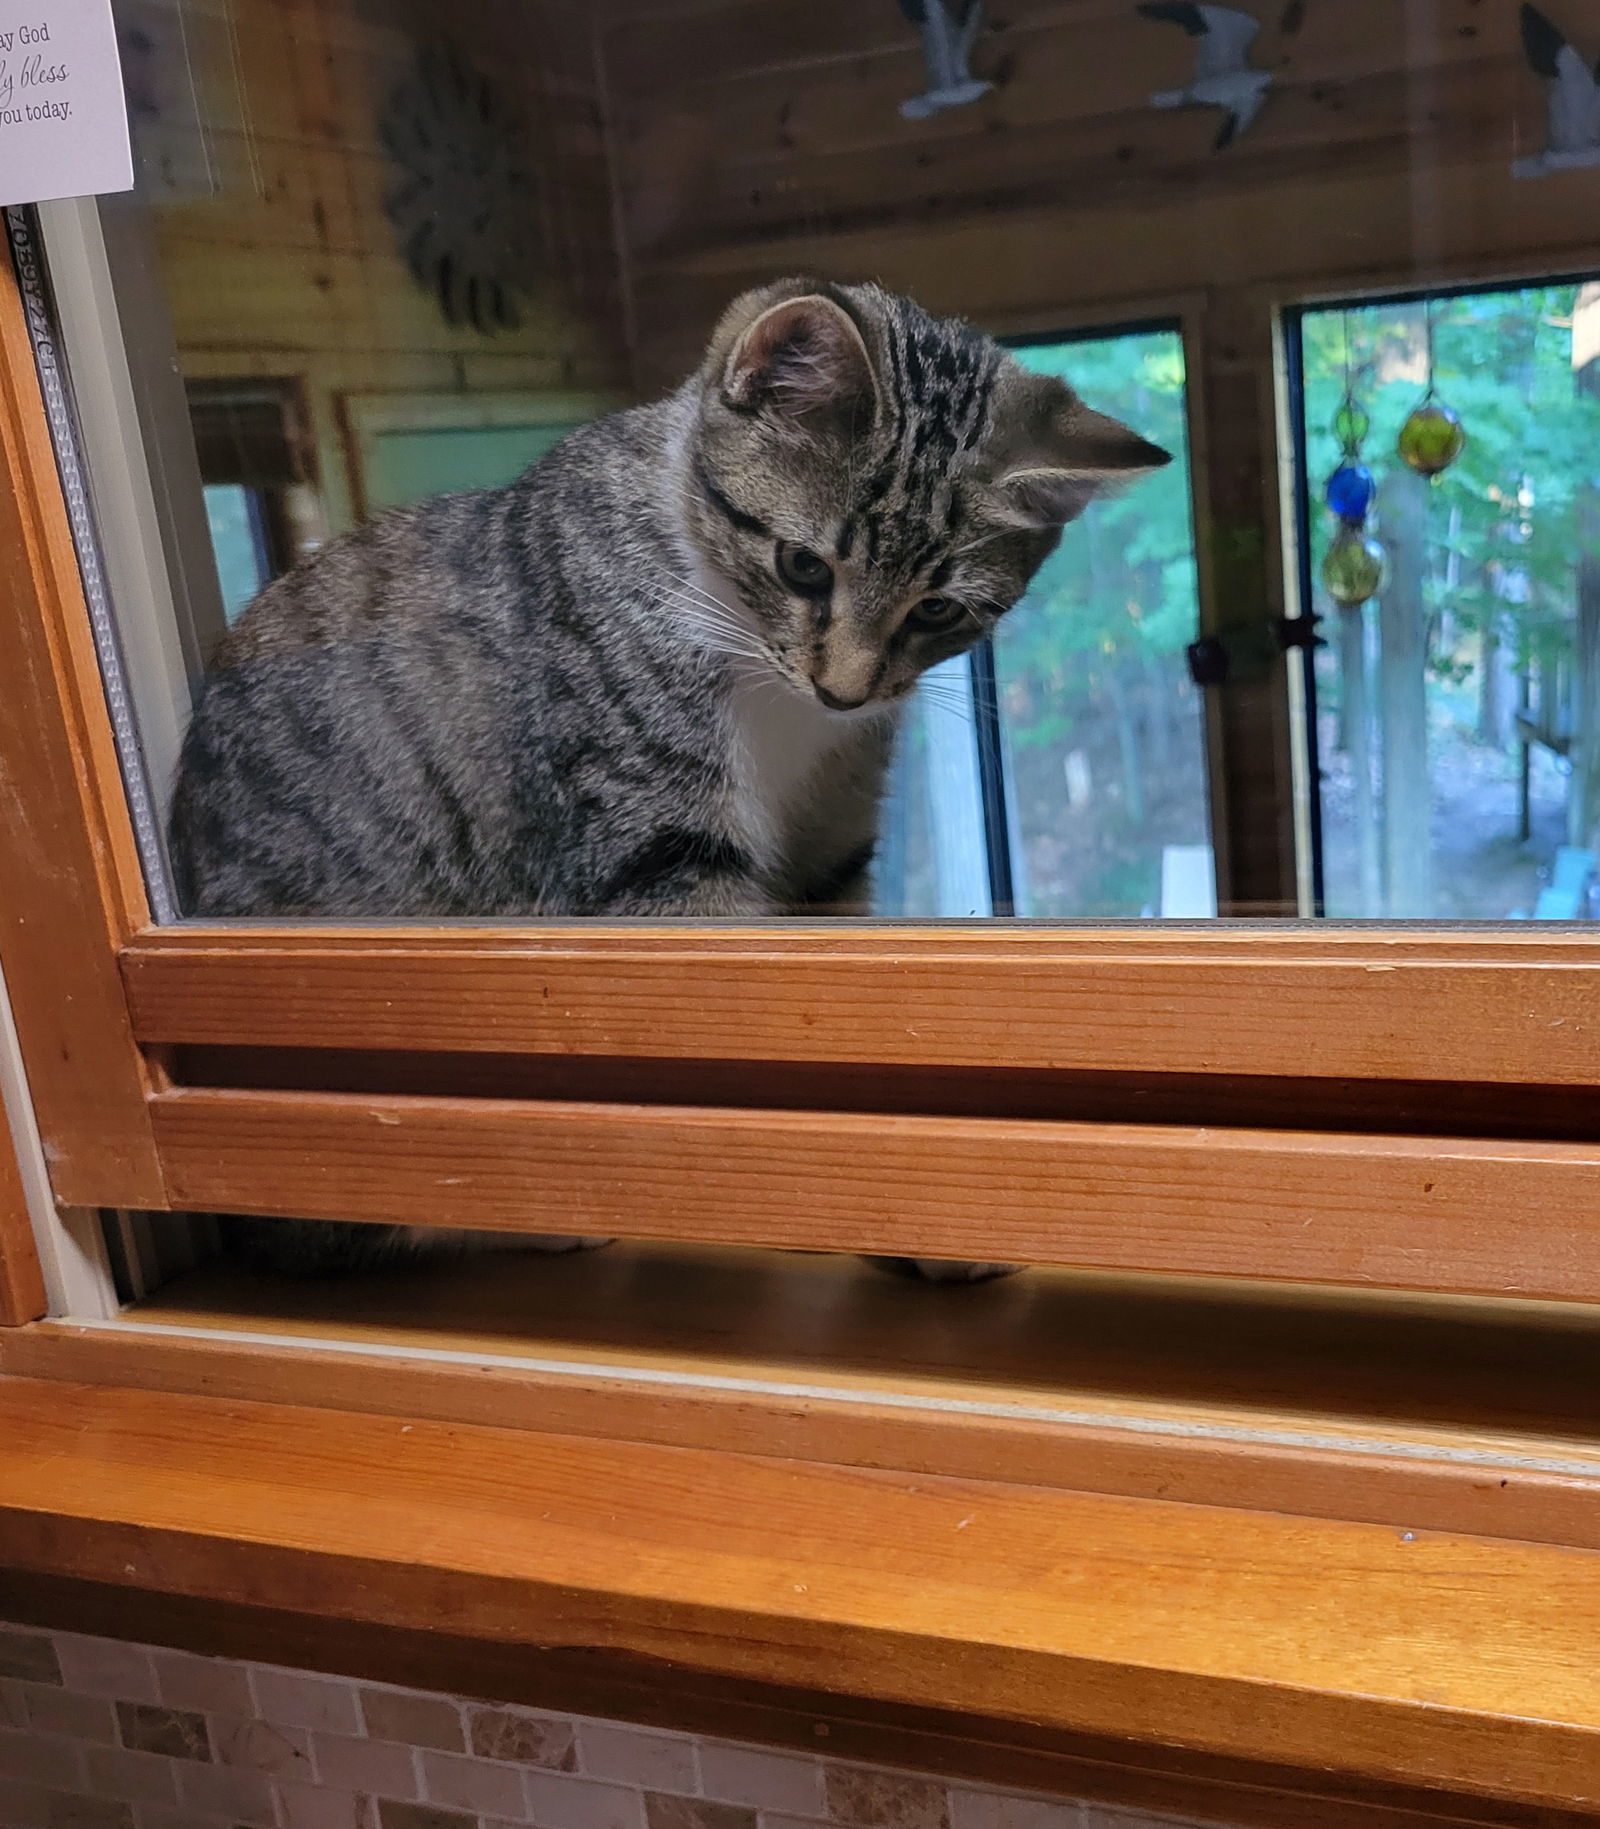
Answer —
(804, 359)
(1066, 456)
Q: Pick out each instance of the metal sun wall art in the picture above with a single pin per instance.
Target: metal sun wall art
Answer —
(462, 201)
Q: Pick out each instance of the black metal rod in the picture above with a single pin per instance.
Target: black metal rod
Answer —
(1294, 365)
(992, 778)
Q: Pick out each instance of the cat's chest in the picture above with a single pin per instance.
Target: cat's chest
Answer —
(783, 750)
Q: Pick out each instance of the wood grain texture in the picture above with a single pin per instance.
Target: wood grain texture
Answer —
(1369, 1651)
(1334, 1004)
(1448, 1413)
(299, 271)
(1238, 1794)
(22, 1295)
(1399, 1212)
(70, 883)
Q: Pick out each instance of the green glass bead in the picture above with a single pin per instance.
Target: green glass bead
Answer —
(1350, 426)
(1431, 439)
(1354, 568)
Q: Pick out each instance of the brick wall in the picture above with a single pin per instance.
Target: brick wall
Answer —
(96, 1734)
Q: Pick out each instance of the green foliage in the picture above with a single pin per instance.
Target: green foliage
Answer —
(1503, 523)
(1121, 583)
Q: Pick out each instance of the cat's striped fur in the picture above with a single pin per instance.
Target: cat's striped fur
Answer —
(600, 690)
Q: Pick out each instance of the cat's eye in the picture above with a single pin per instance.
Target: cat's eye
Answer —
(937, 615)
(803, 570)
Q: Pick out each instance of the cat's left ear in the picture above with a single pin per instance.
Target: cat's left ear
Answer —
(1067, 454)
(804, 359)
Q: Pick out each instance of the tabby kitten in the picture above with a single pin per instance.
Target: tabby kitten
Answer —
(658, 674)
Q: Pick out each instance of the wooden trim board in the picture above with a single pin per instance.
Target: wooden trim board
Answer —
(1440, 1006)
(1372, 1652)
(72, 888)
(1236, 1794)
(1336, 1466)
(1455, 1214)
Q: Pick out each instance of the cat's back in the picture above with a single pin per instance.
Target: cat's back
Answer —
(378, 582)
(458, 558)
(382, 730)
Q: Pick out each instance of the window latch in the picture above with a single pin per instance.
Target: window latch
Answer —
(1247, 651)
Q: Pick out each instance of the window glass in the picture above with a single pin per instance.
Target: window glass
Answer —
(1458, 744)
(982, 590)
(234, 515)
(1102, 720)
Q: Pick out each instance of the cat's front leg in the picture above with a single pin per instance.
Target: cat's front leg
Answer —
(685, 872)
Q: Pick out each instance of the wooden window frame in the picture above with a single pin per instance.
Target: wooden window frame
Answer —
(1386, 1108)
(1090, 1066)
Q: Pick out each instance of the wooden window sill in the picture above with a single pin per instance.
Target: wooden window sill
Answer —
(1370, 1654)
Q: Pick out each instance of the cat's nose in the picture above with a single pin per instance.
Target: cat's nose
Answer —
(834, 703)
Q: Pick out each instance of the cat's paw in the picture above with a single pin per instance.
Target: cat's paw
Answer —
(944, 1269)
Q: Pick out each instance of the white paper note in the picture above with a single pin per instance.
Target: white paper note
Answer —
(63, 119)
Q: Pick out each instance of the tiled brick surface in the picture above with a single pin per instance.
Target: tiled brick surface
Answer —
(175, 1733)
(885, 1800)
(102, 1667)
(262, 1746)
(629, 1756)
(430, 1721)
(80, 1812)
(292, 1700)
(508, 1733)
(662, 1812)
(991, 1810)
(377, 1766)
(244, 1798)
(212, 1686)
(132, 1778)
(769, 1781)
(95, 1734)
(59, 1711)
(28, 1655)
(477, 1786)
(555, 1802)
(41, 1759)
(321, 1807)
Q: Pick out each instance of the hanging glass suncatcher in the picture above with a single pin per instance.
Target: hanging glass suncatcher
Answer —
(1433, 436)
(1353, 569)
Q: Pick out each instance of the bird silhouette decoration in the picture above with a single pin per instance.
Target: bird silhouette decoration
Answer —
(1223, 77)
(949, 29)
(1573, 100)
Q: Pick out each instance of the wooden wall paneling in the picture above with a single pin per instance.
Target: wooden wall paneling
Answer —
(1306, 1004)
(1459, 1214)
(1370, 1654)
(1099, 162)
(70, 883)
(1063, 186)
(294, 269)
(1233, 416)
(1336, 76)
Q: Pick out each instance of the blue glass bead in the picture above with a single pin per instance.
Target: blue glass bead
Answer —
(1350, 491)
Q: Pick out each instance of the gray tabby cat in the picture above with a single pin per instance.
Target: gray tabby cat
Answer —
(658, 674)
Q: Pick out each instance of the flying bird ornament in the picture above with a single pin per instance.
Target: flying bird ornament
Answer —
(949, 30)
(1223, 77)
(1572, 100)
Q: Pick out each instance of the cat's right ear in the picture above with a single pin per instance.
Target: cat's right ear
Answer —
(803, 359)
